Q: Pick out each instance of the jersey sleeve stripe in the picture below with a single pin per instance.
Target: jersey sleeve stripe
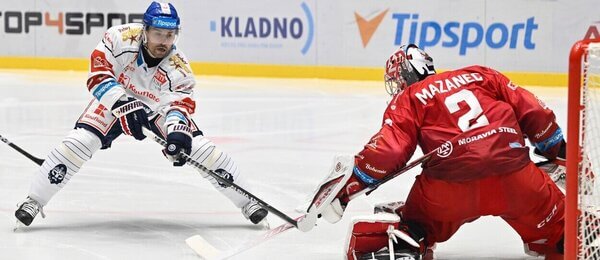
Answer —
(104, 87)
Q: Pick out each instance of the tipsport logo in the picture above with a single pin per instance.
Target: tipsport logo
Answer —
(264, 31)
(409, 28)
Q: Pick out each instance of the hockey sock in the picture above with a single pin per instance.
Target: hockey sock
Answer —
(205, 152)
(62, 163)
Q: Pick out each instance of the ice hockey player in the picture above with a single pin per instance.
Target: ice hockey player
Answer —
(138, 79)
(478, 118)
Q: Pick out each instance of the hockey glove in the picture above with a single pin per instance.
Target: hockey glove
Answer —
(556, 168)
(179, 139)
(132, 117)
(334, 211)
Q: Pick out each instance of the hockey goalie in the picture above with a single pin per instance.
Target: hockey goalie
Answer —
(480, 119)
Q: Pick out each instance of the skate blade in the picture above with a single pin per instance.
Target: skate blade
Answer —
(264, 224)
(18, 226)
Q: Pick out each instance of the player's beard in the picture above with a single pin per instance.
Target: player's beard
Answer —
(161, 51)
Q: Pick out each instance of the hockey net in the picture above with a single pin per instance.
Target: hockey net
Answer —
(582, 220)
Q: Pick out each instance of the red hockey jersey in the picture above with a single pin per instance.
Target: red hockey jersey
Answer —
(482, 114)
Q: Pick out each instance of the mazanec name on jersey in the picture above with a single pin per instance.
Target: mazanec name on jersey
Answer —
(443, 86)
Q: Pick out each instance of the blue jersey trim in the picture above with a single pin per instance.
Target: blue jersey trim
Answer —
(365, 178)
(104, 87)
(177, 114)
(551, 141)
(140, 59)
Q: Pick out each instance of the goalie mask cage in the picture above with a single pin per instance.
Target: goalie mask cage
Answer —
(582, 217)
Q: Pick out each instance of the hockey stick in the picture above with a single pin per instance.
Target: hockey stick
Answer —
(36, 160)
(204, 249)
(209, 252)
(404, 169)
(409, 166)
(190, 161)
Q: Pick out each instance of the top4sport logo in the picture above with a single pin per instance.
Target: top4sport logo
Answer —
(461, 35)
(266, 31)
(70, 23)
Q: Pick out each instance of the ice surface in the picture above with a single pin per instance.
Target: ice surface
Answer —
(129, 203)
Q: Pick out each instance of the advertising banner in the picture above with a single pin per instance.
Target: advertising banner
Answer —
(511, 35)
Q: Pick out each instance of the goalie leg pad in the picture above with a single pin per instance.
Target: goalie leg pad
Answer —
(371, 234)
(206, 153)
(62, 163)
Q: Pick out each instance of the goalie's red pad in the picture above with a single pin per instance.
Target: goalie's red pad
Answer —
(369, 234)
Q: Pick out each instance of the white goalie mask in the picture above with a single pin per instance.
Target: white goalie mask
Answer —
(420, 61)
(407, 65)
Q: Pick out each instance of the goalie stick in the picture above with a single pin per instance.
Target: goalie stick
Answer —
(36, 160)
(207, 251)
(341, 169)
(409, 166)
(297, 223)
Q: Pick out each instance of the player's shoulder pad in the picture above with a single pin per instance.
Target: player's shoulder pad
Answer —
(123, 38)
(179, 71)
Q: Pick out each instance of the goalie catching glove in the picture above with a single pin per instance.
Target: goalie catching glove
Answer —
(556, 167)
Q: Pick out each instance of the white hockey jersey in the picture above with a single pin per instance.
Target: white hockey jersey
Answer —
(117, 68)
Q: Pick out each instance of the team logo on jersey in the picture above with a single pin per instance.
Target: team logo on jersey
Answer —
(179, 63)
(131, 34)
(160, 78)
(57, 174)
(445, 150)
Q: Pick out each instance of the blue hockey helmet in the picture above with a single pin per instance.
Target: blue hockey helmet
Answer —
(161, 15)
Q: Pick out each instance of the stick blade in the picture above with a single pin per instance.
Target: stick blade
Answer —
(203, 248)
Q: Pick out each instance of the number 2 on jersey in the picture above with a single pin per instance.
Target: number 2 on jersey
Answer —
(475, 111)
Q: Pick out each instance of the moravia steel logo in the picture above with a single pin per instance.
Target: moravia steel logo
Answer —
(268, 32)
(412, 28)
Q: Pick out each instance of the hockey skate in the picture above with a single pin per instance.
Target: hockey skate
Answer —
(254, 212)
(28, 210)
(384, 254)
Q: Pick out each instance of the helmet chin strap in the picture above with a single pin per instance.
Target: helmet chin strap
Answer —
(145, 43)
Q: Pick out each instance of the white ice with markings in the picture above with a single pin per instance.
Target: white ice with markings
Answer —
(128, 202)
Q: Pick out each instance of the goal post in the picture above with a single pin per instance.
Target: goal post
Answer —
(582, 214)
